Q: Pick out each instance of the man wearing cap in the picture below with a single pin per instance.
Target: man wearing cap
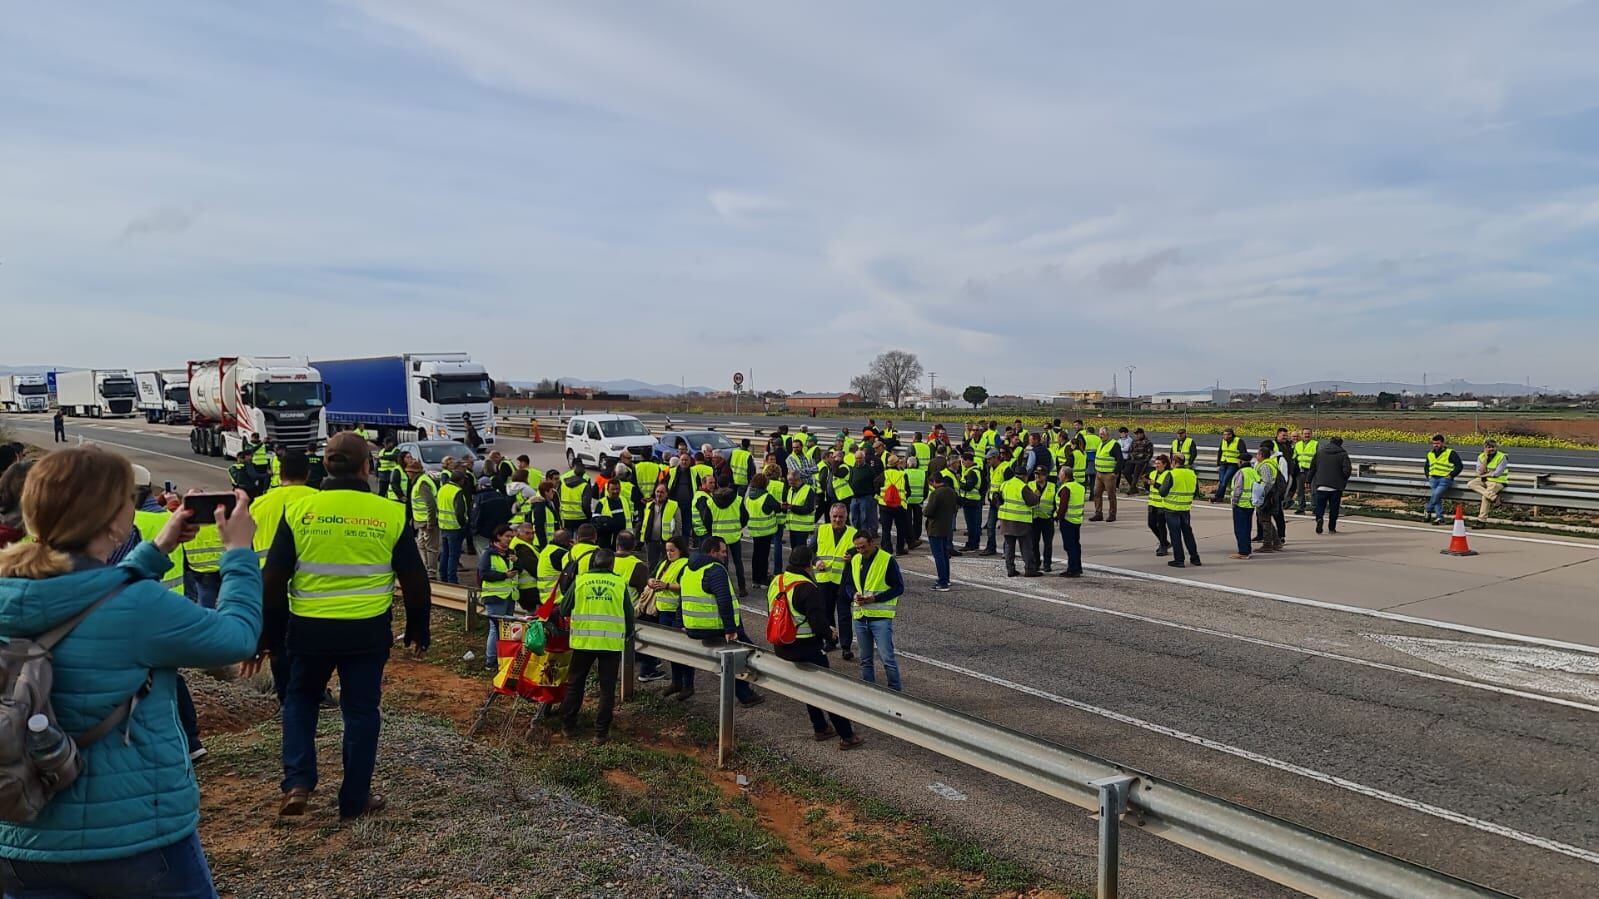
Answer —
(328, 588)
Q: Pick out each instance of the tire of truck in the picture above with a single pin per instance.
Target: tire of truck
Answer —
(217, 443)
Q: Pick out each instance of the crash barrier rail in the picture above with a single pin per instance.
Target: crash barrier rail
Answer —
(1542, 486)
(1297, 857)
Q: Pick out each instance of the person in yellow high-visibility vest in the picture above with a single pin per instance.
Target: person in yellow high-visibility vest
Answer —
(1493, 476)
(1177, 494)
(601, 626)
(328, 587)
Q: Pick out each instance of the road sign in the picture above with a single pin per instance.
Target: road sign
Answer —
(738, 379)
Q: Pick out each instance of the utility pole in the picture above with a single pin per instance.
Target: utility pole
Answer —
(932, 385)
(1113, 387)
(1130, 393)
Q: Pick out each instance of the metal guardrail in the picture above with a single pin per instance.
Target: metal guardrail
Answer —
(1305, 860)
(1546, 486)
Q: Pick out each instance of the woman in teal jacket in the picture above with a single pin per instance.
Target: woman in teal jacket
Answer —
(127, 825)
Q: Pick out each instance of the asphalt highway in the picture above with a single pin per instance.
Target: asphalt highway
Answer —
(1436, 709)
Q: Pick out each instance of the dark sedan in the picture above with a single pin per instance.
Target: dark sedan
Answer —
(667, 444)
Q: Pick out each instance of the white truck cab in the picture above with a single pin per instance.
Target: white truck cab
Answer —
(599, 439)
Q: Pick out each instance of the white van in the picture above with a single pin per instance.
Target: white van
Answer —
(600, 439)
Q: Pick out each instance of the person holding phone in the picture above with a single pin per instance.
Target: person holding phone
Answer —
(328, 589)
(129, 822)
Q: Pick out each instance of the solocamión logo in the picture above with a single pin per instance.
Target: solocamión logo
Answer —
(314, 518)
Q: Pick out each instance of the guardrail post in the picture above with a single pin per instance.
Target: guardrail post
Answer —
(629, 671)
(731, 663)
(1113, 792)
(471, 610)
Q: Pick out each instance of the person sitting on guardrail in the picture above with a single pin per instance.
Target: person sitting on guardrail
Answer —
(813, 625)
(710, 613)
(1441, 466)
(1493, 476)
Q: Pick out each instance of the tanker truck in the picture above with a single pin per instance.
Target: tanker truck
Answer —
(239, 401)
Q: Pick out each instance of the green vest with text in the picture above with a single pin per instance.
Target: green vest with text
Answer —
(599, 611)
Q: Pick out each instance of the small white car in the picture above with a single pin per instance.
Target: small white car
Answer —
(600, 439)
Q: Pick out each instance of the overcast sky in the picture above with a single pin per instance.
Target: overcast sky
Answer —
(1031, 195)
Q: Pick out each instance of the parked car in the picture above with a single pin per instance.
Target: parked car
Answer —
(432, 452)
(667, 445)
(599, 439)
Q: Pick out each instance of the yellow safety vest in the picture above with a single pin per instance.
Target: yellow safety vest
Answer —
(799, 522)
(725, 521)
(831, 548)
(701, 500)
(572, 502)
(344, 548)
(1073, 505)
(498, 591)
(419, 506)
(599, 611)
(699, 609)
(268, 512)
(915, 485)
(203, 554)
(1156, 478)
(579, 556)
(646, 474)
(1304, 451)
(448, 521)
(895, 477)
(1488, 462)
(149, 525)
(624, 566)
(525, 580)
(549, 573)
(761, 522)
(740, 460)
(875, 581)
(1186, 447)
(1046, 503)
(1184, 483)
(669, 571)
(1440, 464)
(1012, 506)
(1230, 450)
(1246, 498)
(668, 519)
(1104, 462)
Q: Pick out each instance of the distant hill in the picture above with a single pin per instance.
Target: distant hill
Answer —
(1371, 388)
(626, 385)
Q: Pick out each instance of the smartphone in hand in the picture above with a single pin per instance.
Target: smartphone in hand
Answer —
(203, 506)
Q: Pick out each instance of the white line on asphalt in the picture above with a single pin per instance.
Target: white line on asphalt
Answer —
(1288, 647)
(1270, 762)
(147, 452)
(1340, 607)
(1322, 777)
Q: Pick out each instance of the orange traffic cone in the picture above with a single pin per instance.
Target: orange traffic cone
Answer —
(1457, 538)
(536, 437)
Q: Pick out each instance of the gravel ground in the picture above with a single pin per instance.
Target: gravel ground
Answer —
(226, 705)
(460, 823)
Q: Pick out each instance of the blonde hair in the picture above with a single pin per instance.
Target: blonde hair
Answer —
(71, 497)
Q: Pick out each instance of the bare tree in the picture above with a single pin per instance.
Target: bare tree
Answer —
(942, 394)
(897, 372)
(867, 387)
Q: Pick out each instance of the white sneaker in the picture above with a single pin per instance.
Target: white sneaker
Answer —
(198, 754)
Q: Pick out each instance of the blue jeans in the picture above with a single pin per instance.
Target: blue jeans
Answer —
(940, 547)
(877, 633)
(360, 689)
(1179, 525)
(1224, 480)
(973, 510)
(988, 528)
(450, 556)
(178, 871)
(819, 718)
(863, 513)
(1243, 523)
(202, 587)
(777, 550)
(491, 650)
(1071, 540)
(1437, 487)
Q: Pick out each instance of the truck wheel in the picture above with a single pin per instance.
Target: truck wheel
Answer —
(194, 441)
(217, 444)
(602, 461)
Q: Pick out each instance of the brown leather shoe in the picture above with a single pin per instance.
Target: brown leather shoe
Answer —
(823, 736)
(373, 804)
(851, 743)
(294, 802)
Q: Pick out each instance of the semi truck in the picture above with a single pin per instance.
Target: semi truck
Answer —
(96, 392)
(24, 393)
(163, 396)
(398, 396)
(239, 401)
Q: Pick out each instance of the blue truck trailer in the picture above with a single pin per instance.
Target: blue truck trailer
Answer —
(400, 396)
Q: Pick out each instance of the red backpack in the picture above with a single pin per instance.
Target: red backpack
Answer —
(891, 497)
(780, 627)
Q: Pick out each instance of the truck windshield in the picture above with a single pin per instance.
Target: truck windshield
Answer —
(117, 387)
(455, 391)
(33, 389)
(288, 395)
(624, 427)
(179, 395)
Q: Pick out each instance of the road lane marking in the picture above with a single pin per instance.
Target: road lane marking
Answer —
(1333, 780)
(1340, 607)
(1289, 647)
(1532, 667)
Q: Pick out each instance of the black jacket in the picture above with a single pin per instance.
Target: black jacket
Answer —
(1330, 467)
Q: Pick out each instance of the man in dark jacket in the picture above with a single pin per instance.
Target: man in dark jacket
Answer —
(1329, 475)
(809, 607)
(938, 516)
(709, 567)
(1140, 456)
